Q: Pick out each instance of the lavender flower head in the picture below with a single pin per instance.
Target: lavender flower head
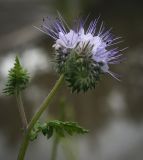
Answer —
(93, 46)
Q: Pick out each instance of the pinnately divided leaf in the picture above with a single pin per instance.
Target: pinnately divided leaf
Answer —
(18, 79)
(58, 127)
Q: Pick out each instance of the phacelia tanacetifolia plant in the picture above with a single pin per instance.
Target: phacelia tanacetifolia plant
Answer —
(82, 55)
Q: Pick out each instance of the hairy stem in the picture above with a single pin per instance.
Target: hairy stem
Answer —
(37, 115)
(21, 110)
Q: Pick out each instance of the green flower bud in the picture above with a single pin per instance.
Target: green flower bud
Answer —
(18, 79)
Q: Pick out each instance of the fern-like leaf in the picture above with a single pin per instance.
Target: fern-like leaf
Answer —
(58, 127)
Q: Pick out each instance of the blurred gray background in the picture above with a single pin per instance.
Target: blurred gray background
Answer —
(113, 112)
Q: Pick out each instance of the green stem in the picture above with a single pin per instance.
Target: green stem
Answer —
(21, 110)
(37, 115)
(54, 148)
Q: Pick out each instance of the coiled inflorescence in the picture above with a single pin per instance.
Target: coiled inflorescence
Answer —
(82, 55)
(18, 79)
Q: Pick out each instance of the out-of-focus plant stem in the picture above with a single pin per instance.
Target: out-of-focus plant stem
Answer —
(21, 110)
(57, 138)
(55, 148)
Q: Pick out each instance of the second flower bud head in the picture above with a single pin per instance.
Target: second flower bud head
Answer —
(82, 55)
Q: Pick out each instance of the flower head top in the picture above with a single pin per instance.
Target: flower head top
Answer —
(83, 54)
(63, 35)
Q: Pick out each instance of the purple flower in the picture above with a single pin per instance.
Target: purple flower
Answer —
(63, 36)
(100, 40)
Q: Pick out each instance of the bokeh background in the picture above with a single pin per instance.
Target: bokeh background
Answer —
(113, 112)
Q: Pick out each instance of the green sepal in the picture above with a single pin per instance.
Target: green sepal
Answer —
(81, 72)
